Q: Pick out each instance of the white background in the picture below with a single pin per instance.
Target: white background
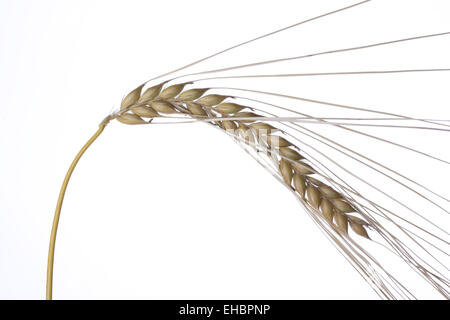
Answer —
(179, 212)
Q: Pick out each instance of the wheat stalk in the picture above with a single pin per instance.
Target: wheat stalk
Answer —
(332, 204)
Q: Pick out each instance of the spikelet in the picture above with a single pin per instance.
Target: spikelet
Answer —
(196, 109)
(172, 91)
(131, 98)
(129, 118)
(191, 94)
(229, 108)
(163, 106)
(151, 93)
(144, 111)
(211, 100)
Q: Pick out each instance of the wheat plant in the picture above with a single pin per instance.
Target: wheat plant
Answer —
(275, 135)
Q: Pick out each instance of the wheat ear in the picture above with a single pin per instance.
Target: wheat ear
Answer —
(293, 166)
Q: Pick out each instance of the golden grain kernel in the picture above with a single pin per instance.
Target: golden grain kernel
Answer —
(211, 100)
(342, 205)
(172, 91)
(327, 210)
(286, 171)
(196, 109)
(131, 98)
(341, 222)
(246, 115)
(359, 229)
(130, 118)
(313, 196)
(302, 168)
(300, 184)
(163, 106)
(151, 93)
(329, 192)
(229, 107)
(290, 153)
(191, 94)
(143, 111)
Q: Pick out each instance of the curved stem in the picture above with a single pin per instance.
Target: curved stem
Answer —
(51, 250)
